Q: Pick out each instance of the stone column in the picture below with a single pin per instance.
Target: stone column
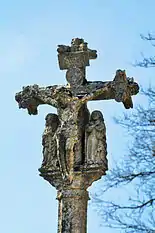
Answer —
(72, 211)
(73, 200)
(73, 197)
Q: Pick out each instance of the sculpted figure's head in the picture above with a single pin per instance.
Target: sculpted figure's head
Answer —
(96, 115)
(120, 76)
(52, 120)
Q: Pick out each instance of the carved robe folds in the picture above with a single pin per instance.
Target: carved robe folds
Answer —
(95, 141)
(50, 160)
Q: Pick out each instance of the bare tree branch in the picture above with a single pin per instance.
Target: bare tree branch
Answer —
(134, 176)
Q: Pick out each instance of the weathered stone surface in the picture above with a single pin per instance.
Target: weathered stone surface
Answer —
(50, 159)
(70, 202)
(74, 142)
(95, 141)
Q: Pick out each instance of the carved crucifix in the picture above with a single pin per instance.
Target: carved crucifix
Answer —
(74, 142)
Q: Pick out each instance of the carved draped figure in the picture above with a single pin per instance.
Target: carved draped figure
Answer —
(95, 141)
(50, 160)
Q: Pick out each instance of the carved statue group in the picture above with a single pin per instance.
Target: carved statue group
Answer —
(94, 147)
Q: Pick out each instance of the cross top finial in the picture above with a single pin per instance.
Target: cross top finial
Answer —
(76, 55)
(74, 59)
(78, 45)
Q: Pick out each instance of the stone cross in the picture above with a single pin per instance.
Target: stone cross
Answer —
(74, 141)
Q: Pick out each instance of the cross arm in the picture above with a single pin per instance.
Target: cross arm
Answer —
(108, 90)
(121, 89)
(33, 96)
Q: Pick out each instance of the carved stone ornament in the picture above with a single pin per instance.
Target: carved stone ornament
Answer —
(74, 142)
(95, 141)
(50, 159)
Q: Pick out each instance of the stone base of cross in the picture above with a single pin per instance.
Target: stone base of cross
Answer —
(74, 141)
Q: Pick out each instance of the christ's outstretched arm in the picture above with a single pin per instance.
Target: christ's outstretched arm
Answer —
(120, 89)
(33, 96)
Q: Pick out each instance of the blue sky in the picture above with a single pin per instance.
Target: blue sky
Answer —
(29, 34)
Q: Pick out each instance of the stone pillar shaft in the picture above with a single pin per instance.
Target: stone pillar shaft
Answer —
(72, 211)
